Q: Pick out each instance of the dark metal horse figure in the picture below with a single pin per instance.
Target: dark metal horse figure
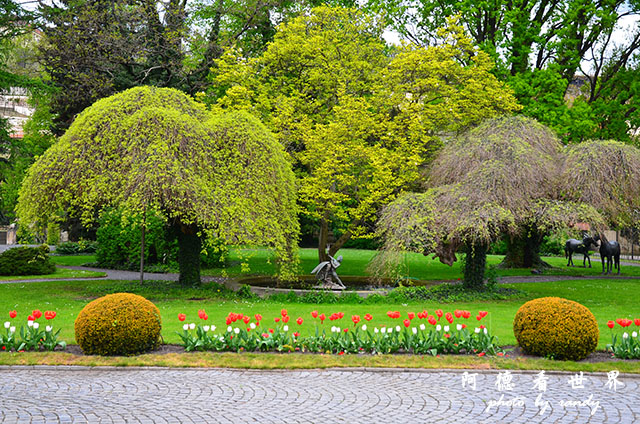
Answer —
(609, 250)
(575, 246)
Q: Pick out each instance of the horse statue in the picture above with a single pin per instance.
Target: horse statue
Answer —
(609, 250)
(326, 273)
(575, 246)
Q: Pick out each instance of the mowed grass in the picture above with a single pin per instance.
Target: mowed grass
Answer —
(607, 298)
(60, 273)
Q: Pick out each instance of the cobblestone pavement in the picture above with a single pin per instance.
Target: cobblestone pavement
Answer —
(148, 395)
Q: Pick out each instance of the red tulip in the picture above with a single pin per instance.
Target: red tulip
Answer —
(411, 315)
(637, 321)
(258, 317)
(457, 313)
(439, 313)
(407, 322)
(271, 330)
(296, 334)
(202, 314)
(182, 317)
(322, 318)
(49, 314)
(481, 354)
(464, 325)
(478, 317)
(13, 314)
(345, 330)
(482, 314)
(31, 318)
(277, 319)
(482, 327)
(285, 319)
(355, 319)
(239, 316)
(466, 314)
(283, 312)
(36, 313)
(447, 335)
(246, 319)
(449, 317)
(340, 315)
(229, 320)
(432, 320)
(299, 320)
(314, 314)
(265, 335)
(368, 317)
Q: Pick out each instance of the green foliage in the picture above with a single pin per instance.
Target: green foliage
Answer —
(556, 328)
(76, 247)
(26, 261)
(358, 121)
(157, 149)
(119, 235)
(118, 324)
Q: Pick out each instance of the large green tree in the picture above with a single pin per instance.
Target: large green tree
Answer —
(216, 175)
(570, 62)
(358, 121)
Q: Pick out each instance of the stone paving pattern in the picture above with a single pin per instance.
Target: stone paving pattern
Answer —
(160, 395)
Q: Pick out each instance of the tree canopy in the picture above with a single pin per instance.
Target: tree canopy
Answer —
(216, 175)
(358, 120)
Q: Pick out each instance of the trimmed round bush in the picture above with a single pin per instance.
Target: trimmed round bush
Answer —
(26, 261)
(118, 324)
(556, 328)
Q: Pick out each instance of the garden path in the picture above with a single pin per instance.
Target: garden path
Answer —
(162, 395)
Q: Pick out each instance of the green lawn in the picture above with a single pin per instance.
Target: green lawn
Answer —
(60, 273)
(607, 299)
(260, 261)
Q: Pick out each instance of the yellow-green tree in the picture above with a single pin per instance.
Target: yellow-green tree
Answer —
(212, 175)
(359, 119)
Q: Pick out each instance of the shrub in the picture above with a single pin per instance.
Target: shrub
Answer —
(26, 261)
(118, 324)
(75, 247)
(556, 328)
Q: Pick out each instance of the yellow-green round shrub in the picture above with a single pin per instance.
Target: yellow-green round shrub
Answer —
(557, 328)
(118, 324)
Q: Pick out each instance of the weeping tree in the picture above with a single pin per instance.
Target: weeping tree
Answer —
(605, 174)
(514, 161)
(443, 221)
(210, 175)
(497, 180)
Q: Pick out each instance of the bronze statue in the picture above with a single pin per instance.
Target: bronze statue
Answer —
(574, 246)
(327, 275)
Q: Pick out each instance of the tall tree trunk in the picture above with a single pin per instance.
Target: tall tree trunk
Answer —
(475, 263)
(524, 252)
(189, 247)
(323, 239)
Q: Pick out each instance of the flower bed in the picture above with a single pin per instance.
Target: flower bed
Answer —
(429, 334)
(33, 337)
(624, 345)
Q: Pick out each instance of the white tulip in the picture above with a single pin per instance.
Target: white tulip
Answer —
(485, 330)
(192, 326)
(30, 323)
(625, 335)
(236, 330)
(221, 338)
(48, 328)
(213, 328)
(477, 330)
(337, 329)
(364, 327)
(383, 330)
(252, 326)
(398, 328)
(333, 328)
(422, 327)
(414, 330)
(12, 330)
(285, 328)
(634, 334)
(375, 330)
(459, 327)
(205, 328)
(229, 329)
(438, 327)
(446, 328)
(36, 325)
(7, 324)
